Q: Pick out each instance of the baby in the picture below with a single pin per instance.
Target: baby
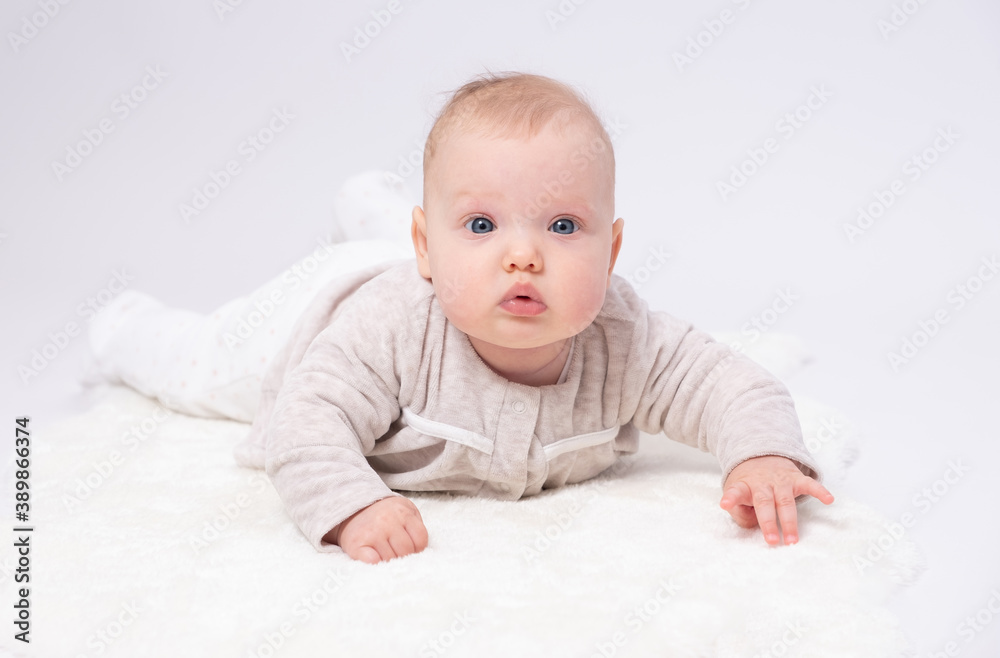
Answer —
(507, 358)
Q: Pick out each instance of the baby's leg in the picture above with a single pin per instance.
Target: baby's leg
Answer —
(212, 365)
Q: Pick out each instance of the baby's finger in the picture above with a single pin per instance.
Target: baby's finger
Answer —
(787, 514)
(737, 494)
(744, 516)
(813, 488)
(400, 542)
(372, 549)
(365, 554)
(763, 505)
(418, 533)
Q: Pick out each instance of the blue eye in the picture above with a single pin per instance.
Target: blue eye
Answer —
(480, 225)
(564, 226)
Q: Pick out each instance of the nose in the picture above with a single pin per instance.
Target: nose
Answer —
(522, 254)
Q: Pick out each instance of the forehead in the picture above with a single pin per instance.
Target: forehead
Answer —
(529, 177)
(555, 153)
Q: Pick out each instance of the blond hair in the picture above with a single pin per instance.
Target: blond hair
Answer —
(512, 104)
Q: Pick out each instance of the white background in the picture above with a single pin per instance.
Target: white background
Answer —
(683, 129)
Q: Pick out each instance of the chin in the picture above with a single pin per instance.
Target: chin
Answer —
(514, 341)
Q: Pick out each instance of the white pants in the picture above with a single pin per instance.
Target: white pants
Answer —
(212, 365)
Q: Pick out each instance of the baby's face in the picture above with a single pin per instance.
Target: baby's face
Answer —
(517, 237)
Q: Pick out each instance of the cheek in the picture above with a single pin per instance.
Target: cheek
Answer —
(455, 285)
(450, 287)
(586, 298)
(446, 273)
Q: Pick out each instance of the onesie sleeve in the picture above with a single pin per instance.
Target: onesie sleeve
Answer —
(329, 412)
(704, 394)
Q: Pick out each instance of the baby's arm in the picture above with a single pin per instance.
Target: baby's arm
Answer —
(331, 409)
(702, 393)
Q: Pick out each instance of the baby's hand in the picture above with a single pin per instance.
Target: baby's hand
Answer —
(757, 485)
(387, 528)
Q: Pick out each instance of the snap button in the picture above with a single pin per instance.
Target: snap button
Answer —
(519, 406)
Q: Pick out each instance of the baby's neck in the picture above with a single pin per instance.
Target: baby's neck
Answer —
(538, 366)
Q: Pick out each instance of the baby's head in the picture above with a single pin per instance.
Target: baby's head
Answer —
(516, 105)
(517, 232)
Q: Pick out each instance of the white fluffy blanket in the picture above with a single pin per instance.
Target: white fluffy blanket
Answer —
(151, 541)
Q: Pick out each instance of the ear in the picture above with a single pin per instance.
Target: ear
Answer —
(616, 244)
(418, 231)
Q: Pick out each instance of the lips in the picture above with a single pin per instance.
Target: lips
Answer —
(523, 300)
